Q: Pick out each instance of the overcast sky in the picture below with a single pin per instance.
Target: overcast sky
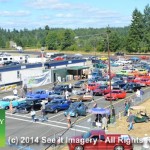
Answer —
(31, 14)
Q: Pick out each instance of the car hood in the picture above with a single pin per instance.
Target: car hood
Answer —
(112, 94)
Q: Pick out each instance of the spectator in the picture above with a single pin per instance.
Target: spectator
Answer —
(130, 119)
(33, 115)
(104, 123)
(69, 121)
(15, 92)
(95, 105)
(66, 94)
(138, 94)
(25, 89)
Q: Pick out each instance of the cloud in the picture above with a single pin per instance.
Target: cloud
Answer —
(19, 13)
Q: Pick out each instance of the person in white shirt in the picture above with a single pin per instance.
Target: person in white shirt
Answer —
(67, 94)
(138, 94)
(15, 92)
(146, 143)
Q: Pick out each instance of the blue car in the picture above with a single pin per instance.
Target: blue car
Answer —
(5, 103)
(76, 109)
(57, 105)
(41, 94)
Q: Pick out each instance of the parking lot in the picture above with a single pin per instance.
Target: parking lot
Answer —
(21, 125)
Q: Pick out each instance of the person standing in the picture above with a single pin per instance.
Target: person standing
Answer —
(69, 121)
(138, 94)
(131, 121)
(66, 94)
(15, 92)
(104, 123)
(33, 115)
(25, 89)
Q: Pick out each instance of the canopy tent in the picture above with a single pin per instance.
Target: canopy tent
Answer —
(101, 111)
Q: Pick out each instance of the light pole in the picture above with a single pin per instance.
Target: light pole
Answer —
(109, 72)
(42, 55)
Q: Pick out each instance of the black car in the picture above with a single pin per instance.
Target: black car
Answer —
(131, 87)
(28, 105)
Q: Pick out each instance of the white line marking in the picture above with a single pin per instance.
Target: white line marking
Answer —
(81, 126)
(41, 123)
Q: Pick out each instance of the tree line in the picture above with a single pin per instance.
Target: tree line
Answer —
(133, 38)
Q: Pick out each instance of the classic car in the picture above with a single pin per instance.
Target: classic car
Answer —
(79, 84)
(142, 82)
(76, 109)
(101, 90)
(28, 105)
(62, 87)
(99, 140)
(131, 87)
(87, 97)
(41, 94)
(5, 102)
(93, 86)
(115, 95)
(57, 105)
(118, 84)
(142, 71)
(55, 96)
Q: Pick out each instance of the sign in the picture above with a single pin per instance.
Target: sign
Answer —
(35, 81)
(2, 128)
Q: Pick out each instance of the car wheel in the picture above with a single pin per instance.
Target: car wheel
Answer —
(7, 107)
(76, 115)
(79, 148)
(56, 111)
(119, 148)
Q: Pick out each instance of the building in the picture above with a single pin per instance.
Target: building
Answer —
(17, 74)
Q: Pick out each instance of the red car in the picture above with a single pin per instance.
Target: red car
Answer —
(142, 82)
(58, 58)
(148, 82)
(101, 90)
(99, 140)
(93, 86)
(115, 95)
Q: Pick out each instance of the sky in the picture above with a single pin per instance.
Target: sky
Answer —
(33, 14)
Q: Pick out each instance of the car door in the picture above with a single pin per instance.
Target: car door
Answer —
(43, 95)
(65, 105)
(92, 144)
(101, 144)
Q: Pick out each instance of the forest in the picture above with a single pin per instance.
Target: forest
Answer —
(134, 38)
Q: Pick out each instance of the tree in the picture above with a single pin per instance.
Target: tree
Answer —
(135, 34)
(68, 39)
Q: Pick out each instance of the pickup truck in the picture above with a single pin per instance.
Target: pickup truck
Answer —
(99, 140)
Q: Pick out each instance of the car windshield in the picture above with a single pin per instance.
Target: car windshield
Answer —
(86, 135)
(102, 87)
(115, 91)
(73, 106)
(54, 102)
(6, 99)
(37, 92)
(91, 85)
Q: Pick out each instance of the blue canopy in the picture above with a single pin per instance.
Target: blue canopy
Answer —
(101, 111)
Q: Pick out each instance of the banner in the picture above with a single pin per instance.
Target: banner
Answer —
(39, 80)
(2, 128)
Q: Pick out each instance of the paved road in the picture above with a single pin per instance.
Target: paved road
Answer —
(20, 125)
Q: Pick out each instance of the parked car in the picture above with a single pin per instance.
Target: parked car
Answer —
(98, 140)
(28, 105)
(118, 84)
(5, 103)
(81, 97)
(79, 84)
(115, 95)
(101, 90)
(131, 87)
(62, 87)
(57, 105)
(93, 86)
(41, 94)
(76, 109)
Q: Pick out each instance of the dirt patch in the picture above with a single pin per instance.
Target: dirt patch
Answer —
(140, 129)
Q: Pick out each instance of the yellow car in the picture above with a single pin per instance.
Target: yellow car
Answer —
(142, 71)
(103, 58)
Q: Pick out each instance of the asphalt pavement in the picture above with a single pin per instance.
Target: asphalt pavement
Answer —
(21, 126)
